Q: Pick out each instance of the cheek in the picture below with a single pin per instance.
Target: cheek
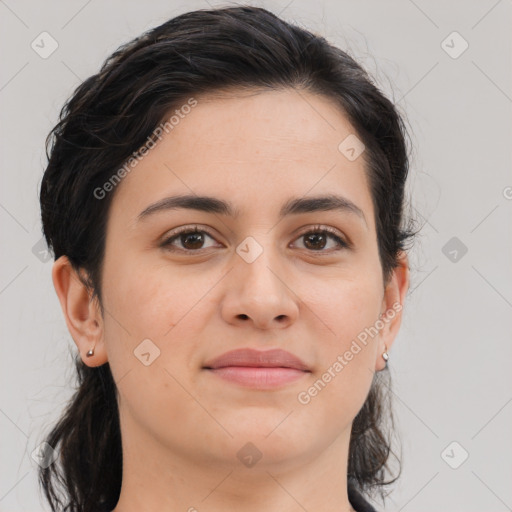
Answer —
(148, 297)
(346, 350)
(346, 307)
(168, 307)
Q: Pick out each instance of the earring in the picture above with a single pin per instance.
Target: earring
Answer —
(385, 355)
(90, 352)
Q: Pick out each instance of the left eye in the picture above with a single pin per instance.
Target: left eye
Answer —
(192, 240)
(319, 235)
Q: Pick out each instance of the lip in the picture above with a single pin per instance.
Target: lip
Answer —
(276, 358)
(258, 369)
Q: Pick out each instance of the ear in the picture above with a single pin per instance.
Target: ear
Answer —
(81, 312)
(392, 308)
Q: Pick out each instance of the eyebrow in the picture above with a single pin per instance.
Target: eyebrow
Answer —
(293, 206)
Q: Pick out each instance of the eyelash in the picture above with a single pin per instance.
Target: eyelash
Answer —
(315, 229)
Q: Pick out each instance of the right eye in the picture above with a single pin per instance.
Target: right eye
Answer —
(191, 239)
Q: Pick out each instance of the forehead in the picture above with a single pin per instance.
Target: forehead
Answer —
(252, 148)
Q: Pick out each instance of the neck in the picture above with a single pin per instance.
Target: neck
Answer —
(157, 479)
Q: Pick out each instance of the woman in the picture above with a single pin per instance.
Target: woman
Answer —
(225, 203)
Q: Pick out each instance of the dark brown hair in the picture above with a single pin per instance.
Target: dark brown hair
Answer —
(111, 114)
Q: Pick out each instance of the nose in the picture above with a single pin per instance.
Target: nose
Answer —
(260, 293)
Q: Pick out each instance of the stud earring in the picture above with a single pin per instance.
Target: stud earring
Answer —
(385, 355)
(90, 352)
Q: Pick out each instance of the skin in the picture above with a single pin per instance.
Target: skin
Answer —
(182, 426)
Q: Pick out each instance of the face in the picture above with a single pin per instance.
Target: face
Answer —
(249, 278)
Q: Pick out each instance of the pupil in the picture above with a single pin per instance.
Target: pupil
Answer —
(315, 236)
(198, 240)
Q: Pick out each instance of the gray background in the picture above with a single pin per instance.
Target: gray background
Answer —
(451, 362)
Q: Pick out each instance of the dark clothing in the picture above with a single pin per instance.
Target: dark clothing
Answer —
(358, 502)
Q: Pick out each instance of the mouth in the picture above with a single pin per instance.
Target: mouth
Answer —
(258, 369)
(258, 377)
